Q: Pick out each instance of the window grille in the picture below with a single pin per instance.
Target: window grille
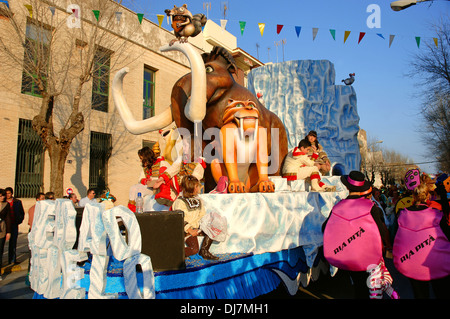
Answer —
(149, 93)
(100, 151)
(100, 84)
(36, 54)
(30, 161)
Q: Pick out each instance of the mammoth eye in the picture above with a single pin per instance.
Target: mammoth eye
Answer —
(209, 69)
(239, 105)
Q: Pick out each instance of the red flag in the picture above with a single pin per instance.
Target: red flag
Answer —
(361, 35)
(279, 27)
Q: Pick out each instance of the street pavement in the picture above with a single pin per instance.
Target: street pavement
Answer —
(13, 285)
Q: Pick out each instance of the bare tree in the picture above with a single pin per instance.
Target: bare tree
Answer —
(60, 52)
(431, 68)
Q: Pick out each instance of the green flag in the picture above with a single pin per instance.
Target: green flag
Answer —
(333, 33)
(140, 16)
(418, 41)
(242, 24)
(96, 13)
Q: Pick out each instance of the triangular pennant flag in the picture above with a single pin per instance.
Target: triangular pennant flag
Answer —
(160, 19)
(315, 30)
(435, 41)
(52, 10)
(279, 27)
(380, 35)
(261, 27)
(391, 39)
(30, 9)
(298, 30)
(223, 23)
(75, 13)
(418, 41)
(118, 16)
(140, 16)
(346, 34)
(333, 33)
(242, 26)
(361, 36)
(96, 13)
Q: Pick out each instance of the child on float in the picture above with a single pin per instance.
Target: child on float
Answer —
(421, 249)
(356, 237)
(152, 166)
(299, 165)
(194, 210)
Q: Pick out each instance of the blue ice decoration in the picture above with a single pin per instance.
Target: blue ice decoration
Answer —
(305, 97)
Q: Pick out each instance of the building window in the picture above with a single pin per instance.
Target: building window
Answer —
(100, 85)
(149, 93)
(29, 162)
(100, 152)
(36, 53)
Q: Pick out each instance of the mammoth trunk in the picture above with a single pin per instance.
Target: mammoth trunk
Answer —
(195, 108)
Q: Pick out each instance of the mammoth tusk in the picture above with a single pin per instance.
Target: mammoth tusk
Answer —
(133, 126)
(195, 109)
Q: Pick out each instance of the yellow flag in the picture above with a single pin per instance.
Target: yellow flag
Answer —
(160, 19)
(346, 34)
(435, 41)
(30, 9)
(261, 27)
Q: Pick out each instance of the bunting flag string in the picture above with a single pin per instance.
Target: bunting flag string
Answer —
(242, 25)
(361, 36)
(140, 16)
(118, 16)
(279, 27)
(314, 31)
(223, 23)
(261, 28)
(346, 34)
(333, 34)
(391, 39)
(298, 30)
(160, 19)
(30, 9)
(96, 14)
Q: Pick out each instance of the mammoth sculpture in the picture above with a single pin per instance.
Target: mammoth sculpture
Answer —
(199, 100)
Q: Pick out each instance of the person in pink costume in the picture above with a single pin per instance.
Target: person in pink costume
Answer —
(421, 249)
(356, 238)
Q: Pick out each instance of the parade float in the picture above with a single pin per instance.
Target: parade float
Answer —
(273, 230)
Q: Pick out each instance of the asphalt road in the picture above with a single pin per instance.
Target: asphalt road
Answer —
(13, 285)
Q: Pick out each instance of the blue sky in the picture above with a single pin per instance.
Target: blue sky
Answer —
(387, 103)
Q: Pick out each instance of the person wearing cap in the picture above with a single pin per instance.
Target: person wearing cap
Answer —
(322, 161)
(356, 237)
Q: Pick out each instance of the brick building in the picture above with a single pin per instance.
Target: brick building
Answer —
(104, 154)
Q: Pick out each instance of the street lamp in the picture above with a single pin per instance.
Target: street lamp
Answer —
(403, 4)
